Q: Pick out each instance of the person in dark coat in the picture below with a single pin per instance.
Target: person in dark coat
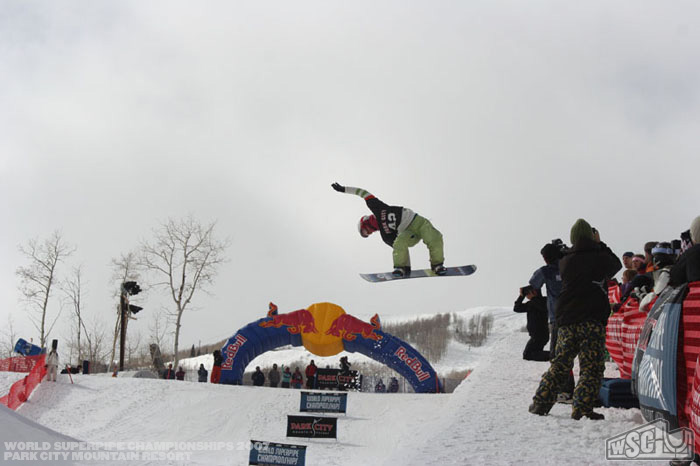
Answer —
(581, 316)
(169, 373)
(380, 387)
(394, 385)
(537, 323)
(180, 374)
(216, 368)
(202, 373)
(274, 376)
(345, 365)
(258, 377)
(687, 268)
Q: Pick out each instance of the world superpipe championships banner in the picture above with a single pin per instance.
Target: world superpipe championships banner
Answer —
(324, 402)
(276, 453)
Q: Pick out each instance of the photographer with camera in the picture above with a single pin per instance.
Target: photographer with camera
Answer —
(537, 326)
(581, 315)
(548, 275)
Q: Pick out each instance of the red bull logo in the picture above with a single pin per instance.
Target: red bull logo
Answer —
(231, 351)
(348, 327)
(415, 365)
(301, 321)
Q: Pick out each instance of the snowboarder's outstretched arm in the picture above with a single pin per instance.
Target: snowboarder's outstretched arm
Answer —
(364, 194)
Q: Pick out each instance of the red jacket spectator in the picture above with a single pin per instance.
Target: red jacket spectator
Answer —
(311, 375)
(216, 369)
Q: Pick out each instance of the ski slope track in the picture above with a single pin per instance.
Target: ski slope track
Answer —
(485, 421)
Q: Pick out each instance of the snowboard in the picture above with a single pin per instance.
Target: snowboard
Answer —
(451, 272)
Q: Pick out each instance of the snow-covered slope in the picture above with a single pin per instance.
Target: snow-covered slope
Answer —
(484, 422)
(17, 428)
(7, 379)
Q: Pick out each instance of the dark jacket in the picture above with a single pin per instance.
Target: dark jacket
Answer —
(202, 372)
(258, 378)
(274, 376)
(218, 358)
(687, 269)
(584, 273)
(537, 322)
(388, 217)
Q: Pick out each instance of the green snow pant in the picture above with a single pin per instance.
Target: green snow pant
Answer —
(587, 341)
(419, 229)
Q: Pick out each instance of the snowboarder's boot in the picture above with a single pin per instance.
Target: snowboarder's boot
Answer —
(439, 269)
(401, 272)
(540, 410)
(592, 415)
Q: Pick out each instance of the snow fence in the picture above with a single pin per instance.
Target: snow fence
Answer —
(20, 390)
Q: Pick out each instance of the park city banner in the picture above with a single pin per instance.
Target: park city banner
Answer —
(335, 379)
(276, 453)
(312, 427)
(324, 402)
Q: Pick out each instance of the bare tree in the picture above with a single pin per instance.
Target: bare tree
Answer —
(185, 256)
(73, 290)
(96, 348)
(39, 277)
(9, 338)
(159, 329)
(124, 268)
(132, 350)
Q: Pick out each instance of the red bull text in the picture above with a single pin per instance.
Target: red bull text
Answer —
(231, 351)
(413, 363)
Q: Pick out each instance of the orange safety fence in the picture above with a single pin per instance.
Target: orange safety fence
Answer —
(18, 363)
(688, 351)
(20, 390)
(622, 335)
(614, 292)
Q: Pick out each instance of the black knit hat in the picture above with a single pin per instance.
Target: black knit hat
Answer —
(550, 253)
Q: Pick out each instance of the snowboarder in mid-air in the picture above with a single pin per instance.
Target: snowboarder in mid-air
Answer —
(400, 228)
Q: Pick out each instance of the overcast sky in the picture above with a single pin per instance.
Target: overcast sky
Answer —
(500, 121)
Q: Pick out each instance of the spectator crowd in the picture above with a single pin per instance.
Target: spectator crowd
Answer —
(574, 314)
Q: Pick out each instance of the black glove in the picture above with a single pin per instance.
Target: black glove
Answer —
(338, 187)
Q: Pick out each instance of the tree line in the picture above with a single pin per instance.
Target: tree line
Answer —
(181, 259)
(431, 335)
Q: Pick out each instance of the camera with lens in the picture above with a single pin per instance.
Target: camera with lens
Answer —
(561, 247)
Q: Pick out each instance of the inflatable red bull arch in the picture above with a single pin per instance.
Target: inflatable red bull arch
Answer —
(324, 329)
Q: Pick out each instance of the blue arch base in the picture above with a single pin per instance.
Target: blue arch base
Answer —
(250, 342)
(401, 357)
(254, 340)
